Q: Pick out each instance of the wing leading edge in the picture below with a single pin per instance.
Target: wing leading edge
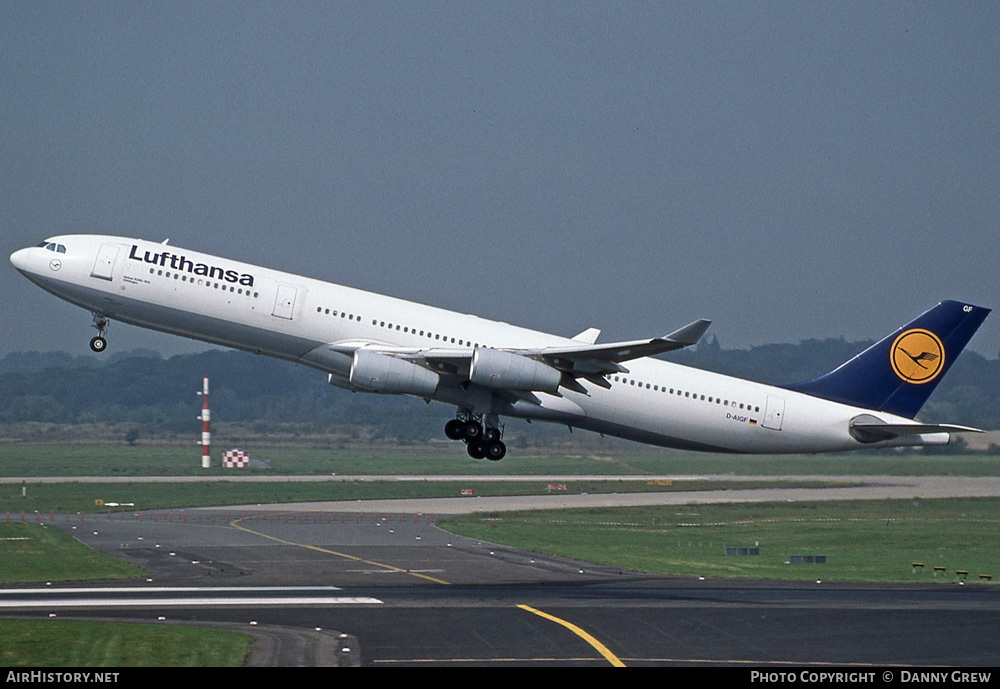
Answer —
(534, 369)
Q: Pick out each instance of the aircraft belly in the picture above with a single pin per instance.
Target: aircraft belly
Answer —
(183, 321)
(552, 408)
(688, 423)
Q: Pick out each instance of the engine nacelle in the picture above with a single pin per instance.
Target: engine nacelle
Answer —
(493, 368)
(376, 372)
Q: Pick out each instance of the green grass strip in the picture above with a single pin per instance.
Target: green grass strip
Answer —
(875, 541)
(38, 552)
(70, 643)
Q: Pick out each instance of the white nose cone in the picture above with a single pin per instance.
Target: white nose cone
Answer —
(20, 259)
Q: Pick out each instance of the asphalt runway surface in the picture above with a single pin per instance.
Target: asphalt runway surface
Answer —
(379, 584)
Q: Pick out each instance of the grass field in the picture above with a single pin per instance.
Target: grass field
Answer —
(862, 540)
(34, 459)
(68, 643)
(44, 500)
(35, 552)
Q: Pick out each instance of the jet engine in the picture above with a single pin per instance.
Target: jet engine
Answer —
(494, 368)
(374, 372)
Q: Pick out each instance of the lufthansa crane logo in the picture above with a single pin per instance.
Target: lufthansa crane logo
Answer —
(917, 356)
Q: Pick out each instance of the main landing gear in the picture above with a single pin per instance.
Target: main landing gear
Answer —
(483, 440)
(99, 344)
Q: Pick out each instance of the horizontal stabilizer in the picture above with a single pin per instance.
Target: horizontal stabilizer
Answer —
(870, 430)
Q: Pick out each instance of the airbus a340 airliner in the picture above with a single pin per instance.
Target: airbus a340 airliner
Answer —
(487, 369)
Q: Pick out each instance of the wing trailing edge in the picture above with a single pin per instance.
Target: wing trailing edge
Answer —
(586, 359)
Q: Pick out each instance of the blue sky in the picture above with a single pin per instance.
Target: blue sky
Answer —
(789, 170)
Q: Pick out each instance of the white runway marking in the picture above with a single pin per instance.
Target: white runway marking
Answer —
(171, 596)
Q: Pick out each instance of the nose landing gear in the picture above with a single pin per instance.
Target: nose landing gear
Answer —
(483, 441)
(99, 343)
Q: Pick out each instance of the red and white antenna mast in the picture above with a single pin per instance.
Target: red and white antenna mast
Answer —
(206, 434)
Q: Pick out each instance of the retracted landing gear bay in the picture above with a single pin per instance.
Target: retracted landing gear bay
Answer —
(99, 344)
(483, 437)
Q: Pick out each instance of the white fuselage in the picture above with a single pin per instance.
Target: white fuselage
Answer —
(291, 317)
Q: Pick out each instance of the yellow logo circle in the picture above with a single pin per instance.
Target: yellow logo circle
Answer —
(917, 356)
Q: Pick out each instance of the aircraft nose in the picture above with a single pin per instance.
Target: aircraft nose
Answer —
(20, 259)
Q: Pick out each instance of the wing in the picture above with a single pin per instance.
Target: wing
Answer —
(544, 369)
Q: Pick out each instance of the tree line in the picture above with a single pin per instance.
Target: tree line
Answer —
(160, 394)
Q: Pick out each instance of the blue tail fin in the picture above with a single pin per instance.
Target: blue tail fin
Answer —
(898, 374)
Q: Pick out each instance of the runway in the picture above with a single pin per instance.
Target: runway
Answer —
(395, 590)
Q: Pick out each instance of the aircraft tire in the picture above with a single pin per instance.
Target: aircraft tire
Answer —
(98, 344)
(476, 450)
(496, 451)
(472, 431)
(454, 430)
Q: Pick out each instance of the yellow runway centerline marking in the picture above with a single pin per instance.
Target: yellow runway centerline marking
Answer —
(236, 525)
(598, 646)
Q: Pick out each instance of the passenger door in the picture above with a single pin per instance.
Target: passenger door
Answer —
(773, 413)
(105, 263)
(284, 303)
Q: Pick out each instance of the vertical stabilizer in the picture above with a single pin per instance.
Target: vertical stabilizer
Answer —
(898, 373)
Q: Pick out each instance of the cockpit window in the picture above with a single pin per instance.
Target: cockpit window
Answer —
(52, 246)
